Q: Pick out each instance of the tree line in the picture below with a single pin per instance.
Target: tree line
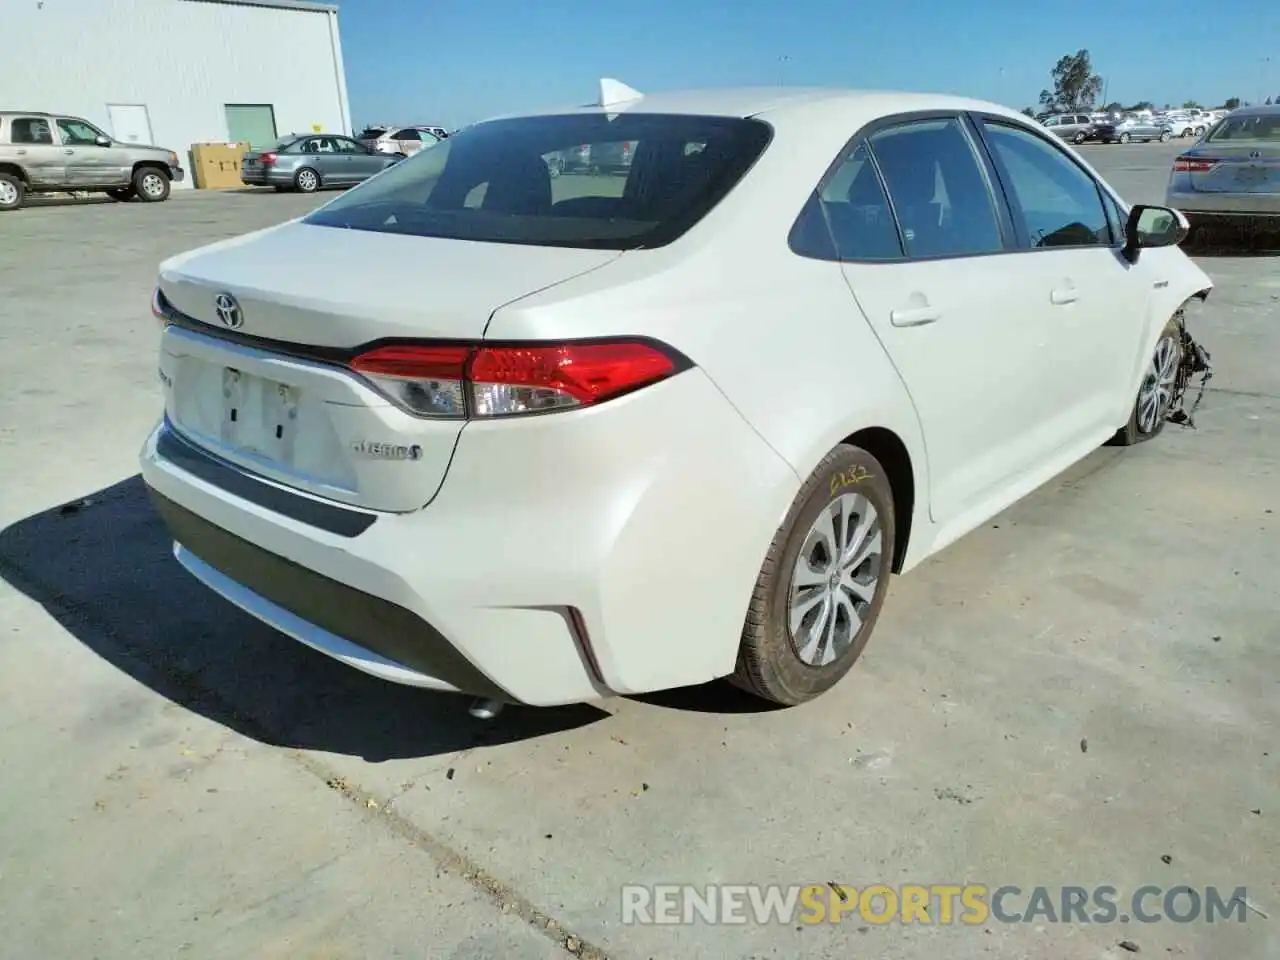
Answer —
(1077, 87)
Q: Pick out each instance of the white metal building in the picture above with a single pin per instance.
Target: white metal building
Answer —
(178, 72)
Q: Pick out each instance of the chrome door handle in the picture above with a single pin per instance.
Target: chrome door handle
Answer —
(914, 316)
(1068, 295)
(68, 152)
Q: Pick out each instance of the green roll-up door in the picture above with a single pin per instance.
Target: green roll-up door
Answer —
(251, 123)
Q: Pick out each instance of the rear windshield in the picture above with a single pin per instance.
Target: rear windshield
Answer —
(371, 133)
(1259, 127)
(581, 180)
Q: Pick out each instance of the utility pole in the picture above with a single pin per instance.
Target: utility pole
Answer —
(782, 70)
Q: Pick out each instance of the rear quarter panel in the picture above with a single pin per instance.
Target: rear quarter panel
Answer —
(778, 334)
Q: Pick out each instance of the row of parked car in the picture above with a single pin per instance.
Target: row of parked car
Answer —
(1144, 127)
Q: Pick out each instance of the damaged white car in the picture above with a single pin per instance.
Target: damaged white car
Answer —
(542, 439)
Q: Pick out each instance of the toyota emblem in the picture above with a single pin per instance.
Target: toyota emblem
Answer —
(228, 310)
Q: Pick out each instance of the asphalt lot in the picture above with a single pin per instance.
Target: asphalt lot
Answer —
(1086, 691)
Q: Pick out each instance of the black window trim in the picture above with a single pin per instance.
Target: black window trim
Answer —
(995, 187)
(979, 120)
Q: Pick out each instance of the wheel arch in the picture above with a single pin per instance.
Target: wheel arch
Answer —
(888, 448)
(150, 165)
(15, 170)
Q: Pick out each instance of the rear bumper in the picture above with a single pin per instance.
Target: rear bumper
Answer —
(565, 559)
(265, 178)
(1242, 205)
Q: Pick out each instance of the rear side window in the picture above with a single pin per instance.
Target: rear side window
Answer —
(579, 180)
(30, 130)
(857, 211)
(939, 192)
(1059, 204)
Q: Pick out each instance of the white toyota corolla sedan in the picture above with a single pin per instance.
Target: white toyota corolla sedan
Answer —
(539, 439)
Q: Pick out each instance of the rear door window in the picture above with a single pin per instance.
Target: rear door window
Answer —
(33, 130)
(940, 194)
(631, 181)
(857, 210)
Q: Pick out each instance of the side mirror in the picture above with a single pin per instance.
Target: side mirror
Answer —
(102, 141)
(1152, 226)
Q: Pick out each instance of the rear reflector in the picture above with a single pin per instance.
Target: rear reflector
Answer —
(159, 309)
(458, 380)
(1193, 165)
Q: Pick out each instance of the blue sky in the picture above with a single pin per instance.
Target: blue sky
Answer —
(455, 61)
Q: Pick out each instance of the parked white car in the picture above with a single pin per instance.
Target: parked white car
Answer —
(546, 445)
(402, 140)
(1192, 123)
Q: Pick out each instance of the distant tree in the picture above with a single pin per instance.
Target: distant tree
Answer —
(1231, 103)
(1190, 105)
(1115, 106)
(1140, 105)
(1030, 112)
(1168, 106)
(1075, 85)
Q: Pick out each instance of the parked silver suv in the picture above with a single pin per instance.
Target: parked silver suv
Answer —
(53, 153)
(1076, 127)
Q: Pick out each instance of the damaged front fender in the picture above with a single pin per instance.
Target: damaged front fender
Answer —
(1195, 362)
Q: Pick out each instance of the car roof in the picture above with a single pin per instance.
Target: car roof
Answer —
(1259, 110)
(776, 102)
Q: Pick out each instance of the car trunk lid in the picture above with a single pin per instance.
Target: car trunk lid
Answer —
(255, 370)
(1241, 168)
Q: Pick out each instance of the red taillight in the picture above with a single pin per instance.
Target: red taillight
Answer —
(268, 159)
(455, 380)
(1193, 165)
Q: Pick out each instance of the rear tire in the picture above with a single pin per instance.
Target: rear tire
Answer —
(1155, 393)
(1165, 136)
(13, 192)
(306, 180)
(816, 602)
(1078, 139)
(150, 185)
(1124, 138)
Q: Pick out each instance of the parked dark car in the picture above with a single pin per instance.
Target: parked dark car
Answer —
(1124, 131)
(307, 162)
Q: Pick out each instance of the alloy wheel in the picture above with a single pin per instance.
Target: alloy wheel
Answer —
(1157, 386)
(833, 582)
(8, 193)
(152, 185)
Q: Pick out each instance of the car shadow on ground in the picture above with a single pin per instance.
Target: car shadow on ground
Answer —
(66, 200)
(103, 568)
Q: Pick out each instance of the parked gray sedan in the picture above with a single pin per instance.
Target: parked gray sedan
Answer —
(1233, 173)
(307, 162)
(1133, 128)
